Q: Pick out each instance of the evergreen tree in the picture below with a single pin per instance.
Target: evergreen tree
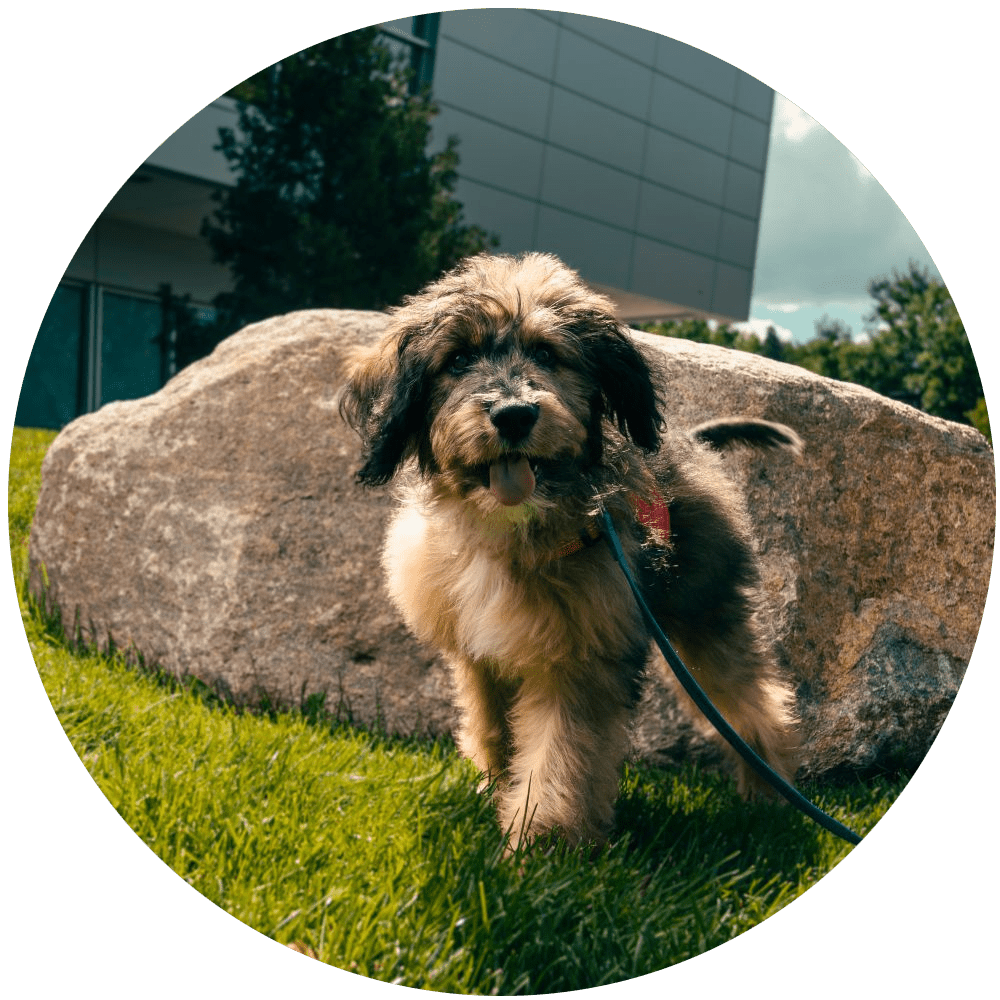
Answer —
(337, 202)
(772, 347)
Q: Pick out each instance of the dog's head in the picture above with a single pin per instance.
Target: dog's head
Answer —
(500, 377)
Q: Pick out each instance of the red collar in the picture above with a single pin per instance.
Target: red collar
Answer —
(654, 514)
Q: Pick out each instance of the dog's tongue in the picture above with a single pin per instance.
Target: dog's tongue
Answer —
(511, 480)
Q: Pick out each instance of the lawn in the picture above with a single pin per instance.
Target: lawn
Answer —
(376, 853)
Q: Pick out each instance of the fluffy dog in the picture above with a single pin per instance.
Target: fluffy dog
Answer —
(514, 407)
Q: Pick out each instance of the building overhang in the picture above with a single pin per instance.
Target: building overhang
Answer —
(633, 308)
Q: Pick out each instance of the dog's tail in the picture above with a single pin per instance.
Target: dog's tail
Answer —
(730, 431)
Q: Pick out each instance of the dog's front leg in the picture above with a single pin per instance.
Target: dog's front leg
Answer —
(483, 702)
(570, 740)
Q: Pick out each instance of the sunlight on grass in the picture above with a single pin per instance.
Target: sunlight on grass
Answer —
(378, 854)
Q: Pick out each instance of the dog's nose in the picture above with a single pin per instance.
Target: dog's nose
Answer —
(514, 420)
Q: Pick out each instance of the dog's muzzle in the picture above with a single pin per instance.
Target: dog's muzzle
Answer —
(511, 477)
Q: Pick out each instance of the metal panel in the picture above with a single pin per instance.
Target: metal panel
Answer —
(743, 190)
(672, 274)
(636, 43)
(589, 188)
(733, 286)
(690, 114)
(600, 253)
(470, 81)
(696, 69)
(520, 37)
(676, 163)
(492, 154)
(677, 218)
(738, 240)
(588, 128)
(612, 79)
(512, 218)
(749, 141)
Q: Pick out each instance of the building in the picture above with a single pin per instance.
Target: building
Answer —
(637, 159)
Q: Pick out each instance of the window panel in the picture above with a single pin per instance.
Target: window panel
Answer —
(131, 361)
(51, 393)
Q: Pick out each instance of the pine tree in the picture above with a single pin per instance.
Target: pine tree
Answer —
(337, 202)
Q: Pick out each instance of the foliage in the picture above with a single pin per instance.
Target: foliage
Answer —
(916, 349)
(377, 855)
(923, 346)
(337, 202)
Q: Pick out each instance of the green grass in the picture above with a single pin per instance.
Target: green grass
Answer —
(378, 854)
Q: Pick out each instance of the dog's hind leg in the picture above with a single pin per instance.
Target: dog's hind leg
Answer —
(743, 683)
(569, 744)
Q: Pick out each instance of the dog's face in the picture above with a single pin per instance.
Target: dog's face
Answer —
(498, 379)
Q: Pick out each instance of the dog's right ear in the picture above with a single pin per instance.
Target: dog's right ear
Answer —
(628, 394)
(385, 401)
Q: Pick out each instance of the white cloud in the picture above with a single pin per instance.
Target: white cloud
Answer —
(791, 122)
(827, 226)
(783, 307)
(759, 328)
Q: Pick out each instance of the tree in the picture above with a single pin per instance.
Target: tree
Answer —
(916, 350)
(921, 342)
(772, 347)
(337, 202)
(703, 332)
(825, 353)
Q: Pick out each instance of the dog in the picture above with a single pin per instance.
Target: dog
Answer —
(511, 407)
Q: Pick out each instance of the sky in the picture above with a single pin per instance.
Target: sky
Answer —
(827, 228)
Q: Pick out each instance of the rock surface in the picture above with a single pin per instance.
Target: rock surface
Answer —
(215, 529)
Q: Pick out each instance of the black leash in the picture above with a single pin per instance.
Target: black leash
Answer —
(713, 715)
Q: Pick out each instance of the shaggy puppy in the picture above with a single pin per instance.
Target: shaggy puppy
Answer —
(516, 407)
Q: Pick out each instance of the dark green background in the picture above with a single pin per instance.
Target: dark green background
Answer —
(91, 91)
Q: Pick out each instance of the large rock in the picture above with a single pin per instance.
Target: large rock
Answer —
(214, 528)
(876, 549)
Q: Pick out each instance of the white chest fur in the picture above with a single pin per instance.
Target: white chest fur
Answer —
(466, 601)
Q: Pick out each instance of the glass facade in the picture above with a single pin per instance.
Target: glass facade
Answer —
(95, 345)
(54, 390)
(133, 359)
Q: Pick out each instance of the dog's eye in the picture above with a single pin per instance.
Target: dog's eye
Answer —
(543, 356)
(458, 362)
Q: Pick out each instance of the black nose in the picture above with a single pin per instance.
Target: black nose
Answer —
(514, 420)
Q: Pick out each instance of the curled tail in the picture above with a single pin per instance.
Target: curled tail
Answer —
(730, 431)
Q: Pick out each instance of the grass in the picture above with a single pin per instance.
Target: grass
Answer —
(377, 854)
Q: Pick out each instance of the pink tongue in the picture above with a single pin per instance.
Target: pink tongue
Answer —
(512, 481)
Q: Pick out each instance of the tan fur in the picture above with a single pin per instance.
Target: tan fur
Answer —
(548, 652)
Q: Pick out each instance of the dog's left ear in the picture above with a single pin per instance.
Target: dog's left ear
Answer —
(384, 400)
(629, 395)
